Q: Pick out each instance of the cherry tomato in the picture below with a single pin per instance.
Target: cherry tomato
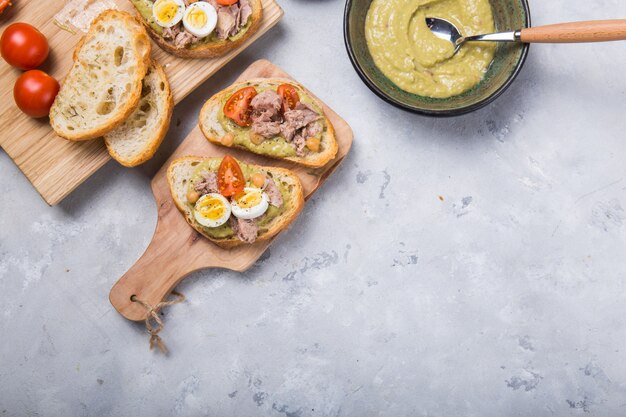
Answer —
(226, 2)
(23, 46)
(34, 93)
(237, 107)
(230, 179)
(4, 4)
(290, 96)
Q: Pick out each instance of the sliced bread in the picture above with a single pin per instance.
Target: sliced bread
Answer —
(138, 138)
(181, 170)
(103, 86)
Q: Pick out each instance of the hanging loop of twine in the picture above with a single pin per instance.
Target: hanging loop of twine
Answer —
(154, 324)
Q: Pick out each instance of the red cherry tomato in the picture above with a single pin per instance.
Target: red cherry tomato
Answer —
(237, 107)
(23, 46)
(34, 93)
(227, 2)
(4, 4)
(230, 179)
(290, 96)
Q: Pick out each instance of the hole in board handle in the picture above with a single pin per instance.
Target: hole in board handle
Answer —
(133, 298)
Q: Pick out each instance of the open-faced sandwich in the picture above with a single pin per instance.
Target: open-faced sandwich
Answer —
(231, 202)
(200, 29)
(272, 117)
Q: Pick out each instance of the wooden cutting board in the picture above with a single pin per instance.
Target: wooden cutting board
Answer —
(176, 249)
(56, 166)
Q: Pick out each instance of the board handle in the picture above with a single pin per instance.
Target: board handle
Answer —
(153, 277)
(589, 31)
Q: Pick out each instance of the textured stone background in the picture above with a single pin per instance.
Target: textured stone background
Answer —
(505, 297)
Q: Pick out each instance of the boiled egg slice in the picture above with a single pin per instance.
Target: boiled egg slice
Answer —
(200, 19)
(167, 13)
(252, 203)
(212, 210)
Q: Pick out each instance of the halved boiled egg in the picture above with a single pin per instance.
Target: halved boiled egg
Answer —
(167, 13)
(252, 203)
(200, 19)
(212, 210)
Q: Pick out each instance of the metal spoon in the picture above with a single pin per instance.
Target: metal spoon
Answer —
(590, 31)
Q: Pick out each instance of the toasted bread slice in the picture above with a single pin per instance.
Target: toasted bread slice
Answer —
(209, 49)
(181, 171)
(214, 131)
(104, 85)
(139, 137)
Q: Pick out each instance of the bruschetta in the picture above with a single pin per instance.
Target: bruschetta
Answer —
(233, 203)
(200, 29)
(273, 117)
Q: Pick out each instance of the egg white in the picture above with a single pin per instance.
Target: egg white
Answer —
(207, 222)
(180, 12)
(211, 16)
(251, 212)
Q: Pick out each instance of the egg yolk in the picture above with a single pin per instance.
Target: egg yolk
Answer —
(250, 199)
(166, 10)
(211, 208)
(197, 18)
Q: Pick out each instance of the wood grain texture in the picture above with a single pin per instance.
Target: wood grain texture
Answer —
(56, 166)
(577, 32)
(176, 249)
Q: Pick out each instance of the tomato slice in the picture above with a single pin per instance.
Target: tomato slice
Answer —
(226, 2)
(237, 107)
(290, 96)
(230, 179)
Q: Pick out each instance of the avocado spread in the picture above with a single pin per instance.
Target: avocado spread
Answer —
(276, 146)
(144, 7)
(413, 58)
(225, 231)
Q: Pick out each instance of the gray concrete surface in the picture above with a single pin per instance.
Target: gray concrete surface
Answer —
(465, 267)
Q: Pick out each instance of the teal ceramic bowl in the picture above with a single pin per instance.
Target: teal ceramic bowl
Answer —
(508, 61)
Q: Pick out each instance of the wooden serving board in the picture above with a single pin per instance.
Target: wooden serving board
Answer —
(54, 165)
(176, 249)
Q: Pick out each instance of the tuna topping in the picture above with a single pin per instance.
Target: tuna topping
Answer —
(272, 191)
(298, 118)
(294, 125)
(245, 230)
(208, 184)
(266, 117)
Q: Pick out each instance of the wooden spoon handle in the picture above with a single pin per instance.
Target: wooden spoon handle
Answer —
(590, 31)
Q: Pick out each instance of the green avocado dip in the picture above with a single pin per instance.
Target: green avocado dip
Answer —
(276, 146)
(225, 231)
(144, 7)
(407, 52)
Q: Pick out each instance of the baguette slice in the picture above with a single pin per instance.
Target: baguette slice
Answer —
(104, 85)
(181, 171)
(139, 137)
(214, 132)
(210, 49)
